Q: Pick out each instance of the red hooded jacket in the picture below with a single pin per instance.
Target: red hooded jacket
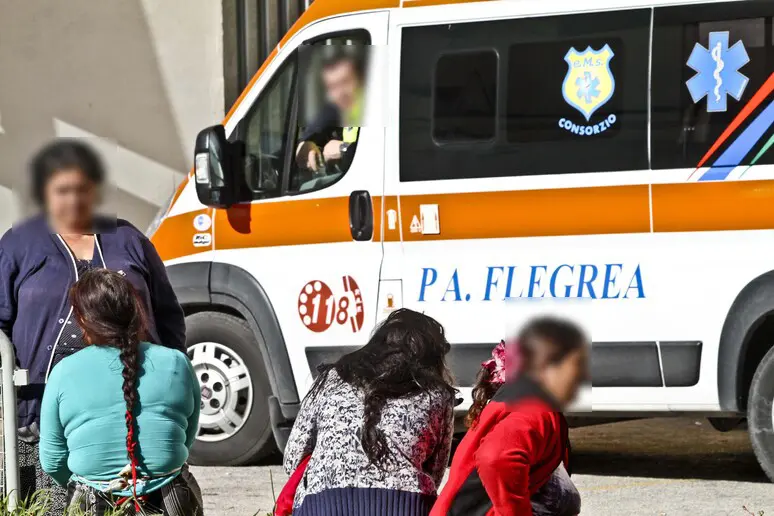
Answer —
(518, 441)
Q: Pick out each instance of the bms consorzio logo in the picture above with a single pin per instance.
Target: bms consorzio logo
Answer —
(588, 85)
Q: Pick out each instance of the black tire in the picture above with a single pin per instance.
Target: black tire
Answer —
(760, 414)
(254, 440)
(725, 424)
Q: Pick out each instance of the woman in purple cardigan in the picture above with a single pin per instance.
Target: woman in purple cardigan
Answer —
(42, 257)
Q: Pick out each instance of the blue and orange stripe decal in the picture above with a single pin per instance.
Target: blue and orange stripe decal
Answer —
(745, 142)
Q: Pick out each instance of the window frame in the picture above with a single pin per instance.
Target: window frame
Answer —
(247, 194)
(240, 131)
(297, 131)
(635, 133)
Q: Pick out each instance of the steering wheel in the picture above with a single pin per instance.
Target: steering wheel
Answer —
(263, 171)
(329, 174)
(332, 168)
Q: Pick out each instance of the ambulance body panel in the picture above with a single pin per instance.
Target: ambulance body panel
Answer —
(663, 252)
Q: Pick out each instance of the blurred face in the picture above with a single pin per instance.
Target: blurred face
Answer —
(564, 379)
(70, 197)
(341, 84)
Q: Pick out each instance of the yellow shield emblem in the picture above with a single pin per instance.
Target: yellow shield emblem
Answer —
(589, 83)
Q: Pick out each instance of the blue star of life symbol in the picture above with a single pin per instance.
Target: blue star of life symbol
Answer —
(717, 70)
(588, 87)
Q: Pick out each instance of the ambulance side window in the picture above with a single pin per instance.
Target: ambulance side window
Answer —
(708, 62)
(264, 133)
(551, 95)
(464, 109)
(331, 96)
(302, 132)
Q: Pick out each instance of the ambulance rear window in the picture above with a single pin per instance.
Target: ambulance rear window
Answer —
(730, 48)
(547, 95)
(465, 91)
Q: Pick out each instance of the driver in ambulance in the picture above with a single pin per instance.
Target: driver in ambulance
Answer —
(332, 136)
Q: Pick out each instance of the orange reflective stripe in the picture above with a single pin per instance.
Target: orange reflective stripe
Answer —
(287, 222)
(424, 3)
(524, 213)
(713, 206)
(604, 210)
(174, 237)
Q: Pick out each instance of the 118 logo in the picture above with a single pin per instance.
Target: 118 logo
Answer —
(319, 308)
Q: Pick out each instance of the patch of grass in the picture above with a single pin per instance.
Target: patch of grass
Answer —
(39, 503)
(35, 505)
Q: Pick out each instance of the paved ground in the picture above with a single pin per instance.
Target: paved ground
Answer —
(656, 467)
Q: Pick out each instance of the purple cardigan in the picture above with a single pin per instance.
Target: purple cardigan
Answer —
(36, 272)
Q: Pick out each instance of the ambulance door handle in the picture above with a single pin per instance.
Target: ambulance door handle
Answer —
(361, 216)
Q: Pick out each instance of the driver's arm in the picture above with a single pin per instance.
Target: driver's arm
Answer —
(315, 136)
(308, 155)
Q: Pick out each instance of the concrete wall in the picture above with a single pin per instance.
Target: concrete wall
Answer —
(141, 77)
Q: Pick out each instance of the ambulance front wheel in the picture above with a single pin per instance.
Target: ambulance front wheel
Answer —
(234, 427)
(760, 414)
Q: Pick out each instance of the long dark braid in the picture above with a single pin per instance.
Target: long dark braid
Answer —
(129, 356)
(111, 313)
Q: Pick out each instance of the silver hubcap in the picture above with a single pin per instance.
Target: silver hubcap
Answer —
(227, 390)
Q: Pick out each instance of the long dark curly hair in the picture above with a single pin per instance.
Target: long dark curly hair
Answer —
(550, 338)
(484, 390)
(404, 356)
(109, 310)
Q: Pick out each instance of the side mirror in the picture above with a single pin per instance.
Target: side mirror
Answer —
(213, 168)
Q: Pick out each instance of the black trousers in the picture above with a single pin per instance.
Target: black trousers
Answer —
(181, 497)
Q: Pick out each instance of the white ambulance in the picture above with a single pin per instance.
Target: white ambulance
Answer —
(607, 160)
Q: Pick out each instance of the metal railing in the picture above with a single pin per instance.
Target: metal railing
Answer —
(11, 378)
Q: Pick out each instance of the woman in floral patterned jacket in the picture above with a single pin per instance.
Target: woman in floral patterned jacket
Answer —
(378, 425)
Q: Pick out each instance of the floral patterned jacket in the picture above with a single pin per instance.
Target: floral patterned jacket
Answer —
(418, 431)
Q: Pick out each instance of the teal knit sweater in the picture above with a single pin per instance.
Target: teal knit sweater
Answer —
(82, 425)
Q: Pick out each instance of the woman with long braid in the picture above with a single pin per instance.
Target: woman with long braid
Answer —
(119, 416)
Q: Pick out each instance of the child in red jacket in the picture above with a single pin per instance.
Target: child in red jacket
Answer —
(512, 460)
